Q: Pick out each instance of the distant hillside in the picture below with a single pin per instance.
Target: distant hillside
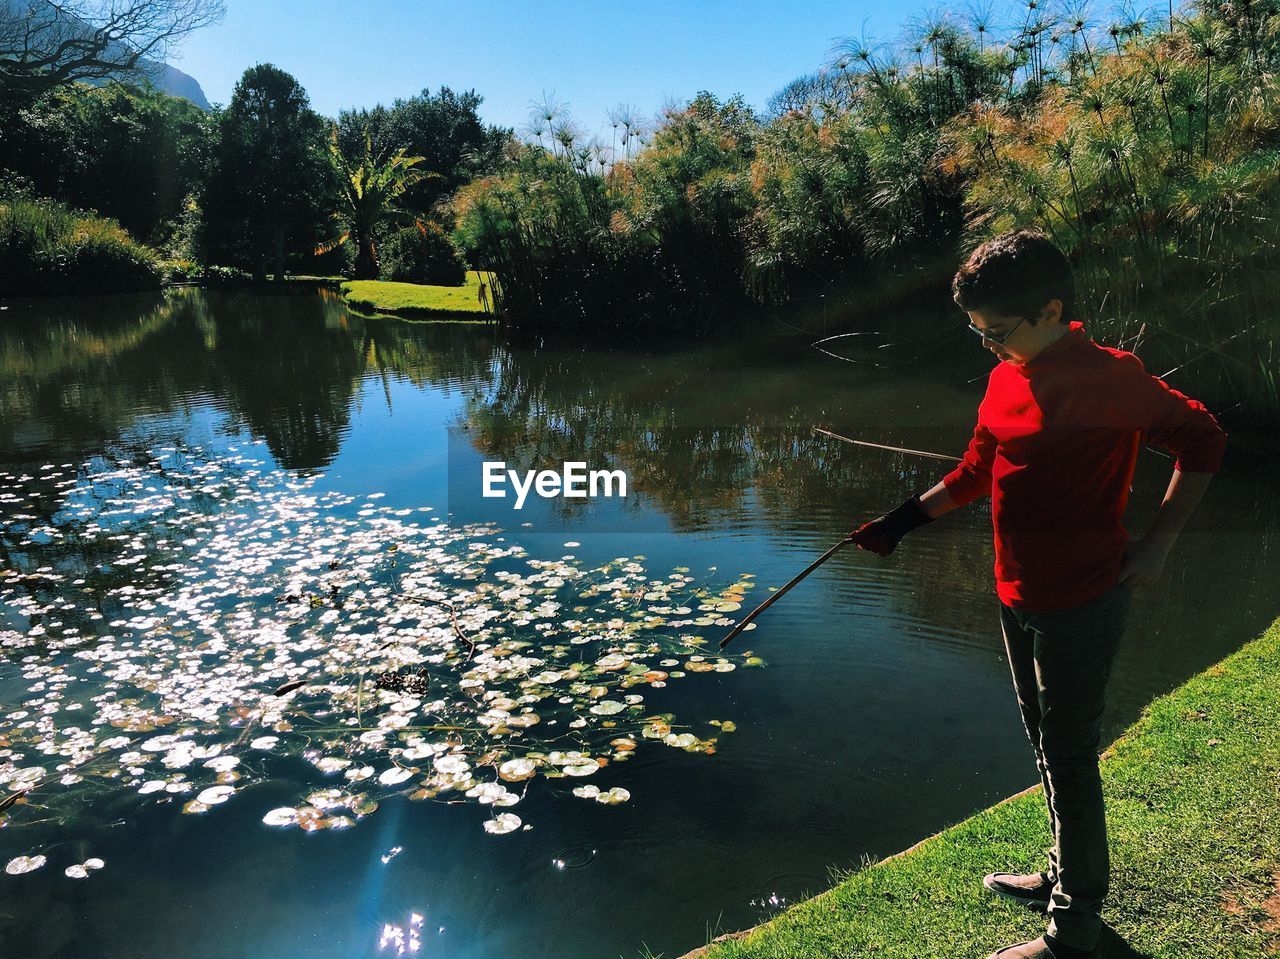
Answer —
(174, 82)
(59, 28)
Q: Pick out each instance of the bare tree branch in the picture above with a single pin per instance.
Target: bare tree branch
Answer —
(46, 43)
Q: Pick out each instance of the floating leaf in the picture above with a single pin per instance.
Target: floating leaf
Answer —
(215, 795)
(283, 816)
(515, 645)
(394, 775)
(20, 864)
(502, 823)
(451, 765)
(515, 770)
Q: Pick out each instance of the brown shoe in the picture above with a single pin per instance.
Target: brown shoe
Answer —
(1040, 949)
(1031, 890)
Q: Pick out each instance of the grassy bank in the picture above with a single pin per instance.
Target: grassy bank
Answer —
(1193, 799)
(419, 301)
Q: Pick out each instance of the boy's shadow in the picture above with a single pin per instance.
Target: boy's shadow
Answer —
(1112, 946)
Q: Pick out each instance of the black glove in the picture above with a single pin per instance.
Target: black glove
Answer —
(881, 536)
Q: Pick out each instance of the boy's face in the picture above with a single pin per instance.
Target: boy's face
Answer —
(1025, 339)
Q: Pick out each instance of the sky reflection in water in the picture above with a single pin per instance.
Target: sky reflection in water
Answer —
(233, 444)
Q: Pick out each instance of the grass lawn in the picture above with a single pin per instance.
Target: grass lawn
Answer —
(1193, 805)
(413, 299)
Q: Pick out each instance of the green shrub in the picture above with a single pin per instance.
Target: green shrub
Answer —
(182, 271)
(427, 256)
(225, 276)
(48, 249)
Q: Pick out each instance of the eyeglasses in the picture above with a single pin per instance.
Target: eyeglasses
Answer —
(997, 339)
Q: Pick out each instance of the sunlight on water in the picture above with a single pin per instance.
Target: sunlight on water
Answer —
(231, 614)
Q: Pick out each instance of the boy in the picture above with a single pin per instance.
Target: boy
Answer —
(1057, 436)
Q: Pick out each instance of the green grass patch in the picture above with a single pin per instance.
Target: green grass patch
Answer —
(417, 300)
(1193, 806)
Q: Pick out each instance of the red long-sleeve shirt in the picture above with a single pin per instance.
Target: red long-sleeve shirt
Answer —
(1055, 447)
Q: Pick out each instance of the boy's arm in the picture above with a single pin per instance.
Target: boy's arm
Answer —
(938, 501)
(1180, 499)
(1144, 558)
(1186, 428)
(1170, 419)
(967, 482)
(970, 480)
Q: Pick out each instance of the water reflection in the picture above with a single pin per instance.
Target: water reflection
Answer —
(287, 367)
(885, 711)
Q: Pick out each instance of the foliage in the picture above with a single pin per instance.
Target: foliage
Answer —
(371, 189)
(273, 185)
(48, 248)
(129, 154)
(653, 239)
(550, 231)
(444, 129)
(215, 275)
(45, 45)
(1156, 166)
(690, 187)
(1149, 149)
(181, 271)
(422, 254)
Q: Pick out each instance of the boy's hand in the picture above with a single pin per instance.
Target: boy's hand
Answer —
(1144, 561)
(882, 535)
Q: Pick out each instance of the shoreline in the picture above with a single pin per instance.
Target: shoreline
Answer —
(1193, 808)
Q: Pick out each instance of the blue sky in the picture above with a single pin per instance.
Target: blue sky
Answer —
(592, 55)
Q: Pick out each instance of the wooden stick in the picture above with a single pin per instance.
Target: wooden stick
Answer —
(881, 446)
(782, 592)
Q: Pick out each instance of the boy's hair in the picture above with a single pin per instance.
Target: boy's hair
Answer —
(1016, 274)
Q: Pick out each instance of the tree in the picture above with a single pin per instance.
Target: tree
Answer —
(274, 181)
(132, 155)
(445, 128)
(370, 190)
(47, 43)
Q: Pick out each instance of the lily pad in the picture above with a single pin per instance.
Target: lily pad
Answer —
(503, 823)
(331, 594)
(394, 776)
(283, 816)
(515, 770)
(21, 864)
(215, 795)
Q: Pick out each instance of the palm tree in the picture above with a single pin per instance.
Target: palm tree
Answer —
(370, 190)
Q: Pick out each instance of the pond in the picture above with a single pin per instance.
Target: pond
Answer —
(286, 683)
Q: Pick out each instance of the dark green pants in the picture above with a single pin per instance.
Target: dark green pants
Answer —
(1060, 663)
